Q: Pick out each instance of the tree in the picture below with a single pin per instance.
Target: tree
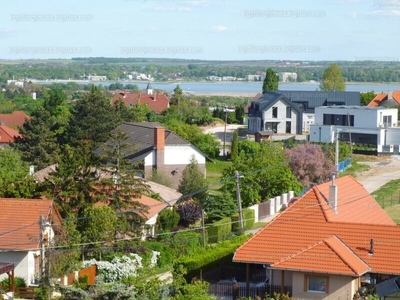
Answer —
(177, 97)
(219, 206)
(208, 144)
(193, 183)
(189, 212)
(366, 97)
(271, 81)
(14, 178)
(235, 146)
(38, 145)
(332, 80)
(92, 119)
(167, 220)
(158, 176)
(309, 164)
(265, 174)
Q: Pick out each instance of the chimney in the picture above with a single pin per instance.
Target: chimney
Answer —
(333, 195)
(390, 95)
(159, 143)
(371, 249)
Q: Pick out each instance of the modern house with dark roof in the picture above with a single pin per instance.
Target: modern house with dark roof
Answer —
(156, 102)
(156, 148)
(307, 101)
(333, 240)
(274, 112)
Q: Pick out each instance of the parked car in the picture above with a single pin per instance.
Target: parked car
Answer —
(292, 201)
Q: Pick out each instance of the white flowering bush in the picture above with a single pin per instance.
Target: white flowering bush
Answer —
(120, 267)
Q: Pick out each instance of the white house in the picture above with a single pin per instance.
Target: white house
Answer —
(274, 112)
(156, 148)
(358, 124)
(21, 233)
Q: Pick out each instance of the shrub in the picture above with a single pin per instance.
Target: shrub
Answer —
(248, 220)
(18, 281)
(218, 231)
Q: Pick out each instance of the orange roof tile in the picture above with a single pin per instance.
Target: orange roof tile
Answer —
(7, 134)
(19, 222)
(379, 98)
(332, 251)
(16, 119)
(308, 221)
(156, 102)
(396, 96)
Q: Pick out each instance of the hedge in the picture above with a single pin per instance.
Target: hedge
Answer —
(218, 231)
(248, 220)
(217, 254)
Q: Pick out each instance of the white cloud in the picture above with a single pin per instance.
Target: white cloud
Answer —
(169, 8)
(220, 28)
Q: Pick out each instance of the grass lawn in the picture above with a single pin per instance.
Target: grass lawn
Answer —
(394, 213)
(355, 167)
(388, 195)
(214, 172)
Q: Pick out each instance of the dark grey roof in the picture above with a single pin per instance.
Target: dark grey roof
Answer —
(267, 100)
(320, 98)
(141, 137)
(388, 287)
(265, 132)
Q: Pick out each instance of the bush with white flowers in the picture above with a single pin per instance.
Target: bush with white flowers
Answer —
(119, 267)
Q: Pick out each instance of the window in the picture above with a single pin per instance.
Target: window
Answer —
(387, 121)
(288, 112)
(316, 284)
(288, 127)
(274, 112)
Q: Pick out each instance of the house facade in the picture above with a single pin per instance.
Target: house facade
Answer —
(333, 240)
(20, 244)
(274, 112)
(307, 101)
(156, 102)
(376, 126)
(156, 148)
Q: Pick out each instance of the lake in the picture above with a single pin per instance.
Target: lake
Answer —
(238, 87)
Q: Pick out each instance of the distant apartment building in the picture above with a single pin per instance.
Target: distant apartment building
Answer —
(228, 78)
(16, 83)
(97, 78)
(214, 78)
(287, 77)
(254, 77)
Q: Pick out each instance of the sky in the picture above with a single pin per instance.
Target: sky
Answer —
(202, 29)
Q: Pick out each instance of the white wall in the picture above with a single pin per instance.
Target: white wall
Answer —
(179, 155)
(323, 135)
(308, 119)
(150, 160)
(24, 264)
(364, 117)
(281, 118)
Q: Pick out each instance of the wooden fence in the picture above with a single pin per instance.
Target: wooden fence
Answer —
(90, 272)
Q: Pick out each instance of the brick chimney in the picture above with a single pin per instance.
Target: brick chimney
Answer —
(390, 95)
(159, 143)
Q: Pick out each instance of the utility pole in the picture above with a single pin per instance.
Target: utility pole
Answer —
(203, 228)
(226, 118)
(239, 201)
(42, 249)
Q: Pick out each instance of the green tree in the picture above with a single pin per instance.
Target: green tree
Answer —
(98, 223)
(235, 146)
(38, 145)
(193, 183)
(167, 220)
(177, 97)
(208, 144)
(332, 80)
(271, 81)
(366, 97)
(14, 178)
(265, 174)
(92, 119)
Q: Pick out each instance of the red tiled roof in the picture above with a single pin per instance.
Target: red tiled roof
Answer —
(396, 96)
(156, 102)
(7, 134)
(378, 100)
(332, 251)
(16, 119)
(310, 221)
(19, 222)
